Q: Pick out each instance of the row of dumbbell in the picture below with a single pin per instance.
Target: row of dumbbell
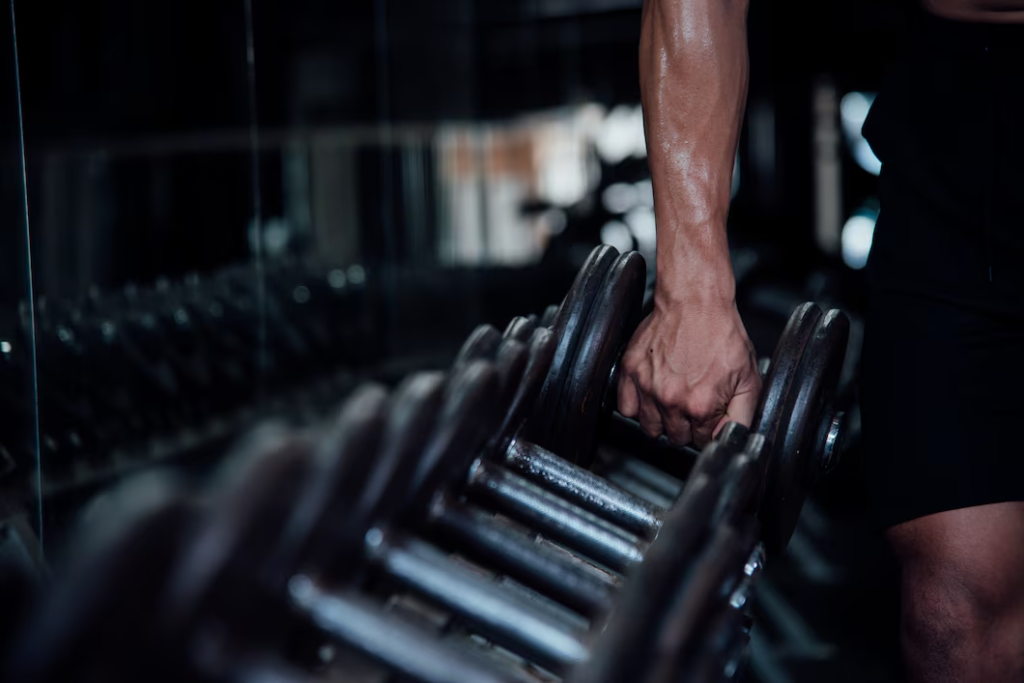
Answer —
(312, 533)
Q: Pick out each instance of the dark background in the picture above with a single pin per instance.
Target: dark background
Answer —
(155, 135)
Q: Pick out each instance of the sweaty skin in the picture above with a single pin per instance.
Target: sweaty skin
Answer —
(690, 366)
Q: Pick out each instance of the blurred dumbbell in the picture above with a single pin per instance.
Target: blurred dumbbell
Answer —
(334, 505)
(175, 590)
(229, 588)
(302, 507)
(354, 498)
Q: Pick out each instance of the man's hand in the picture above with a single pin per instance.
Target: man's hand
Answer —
(690, 366)
(688, 370)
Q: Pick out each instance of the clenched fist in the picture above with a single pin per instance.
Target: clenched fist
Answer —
(687, 371)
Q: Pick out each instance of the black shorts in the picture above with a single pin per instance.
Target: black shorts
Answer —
(943, 366)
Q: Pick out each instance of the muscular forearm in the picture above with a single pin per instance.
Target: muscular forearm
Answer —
(693, 80)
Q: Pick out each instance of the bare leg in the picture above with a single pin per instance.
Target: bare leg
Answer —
(963, 594)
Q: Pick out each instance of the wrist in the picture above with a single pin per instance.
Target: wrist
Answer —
(695, 284)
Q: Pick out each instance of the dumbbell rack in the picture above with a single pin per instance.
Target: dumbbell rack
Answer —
(429, 531)
(143, 372)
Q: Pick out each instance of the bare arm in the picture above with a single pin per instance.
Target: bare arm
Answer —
(691, 366)
(693, 80)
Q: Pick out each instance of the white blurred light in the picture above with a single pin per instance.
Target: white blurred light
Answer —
(866, 158)
(856, 239)
(641, 223)
(5, 347)
(336, 278)
(619, 197)
(276, 235)
(617, 234)
(621, 135)
(855, 106)
(356, 274)
(853, 110)
(561, 161)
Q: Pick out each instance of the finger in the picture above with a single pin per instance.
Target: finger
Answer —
(742, 408)
(650, 418)
(628, 397)
(745, 405)
(677, 426)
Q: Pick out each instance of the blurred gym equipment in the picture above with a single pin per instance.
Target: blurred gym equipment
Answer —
(419, 531)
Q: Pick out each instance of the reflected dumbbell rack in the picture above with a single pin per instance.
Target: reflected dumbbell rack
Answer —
(130, 377)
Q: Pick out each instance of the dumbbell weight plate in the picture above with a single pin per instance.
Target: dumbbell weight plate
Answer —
(467, 419)
(740, 482)
(541, 351)
(335, 485)
(712, 577)
(685, 647)
(520, 329)
(510, 359)
(809, 403)
(547, 319)
(772, 404)
(568, 329)
(238, 536)
(481, 344)
(611, 321)
(624, 648)
(412, 418)
(326, 526)
(97, 621)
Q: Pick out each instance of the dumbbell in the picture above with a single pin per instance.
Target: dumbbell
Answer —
(330, 514)
(299, 506)
(525, 628)
(562, 501)
(246, 522)
(740, 483)
(572, 505)
(105, 625)
(741, 473)
(796, 412)
(583, 504)
(105, 622)
(538, 633)
(97, 622)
